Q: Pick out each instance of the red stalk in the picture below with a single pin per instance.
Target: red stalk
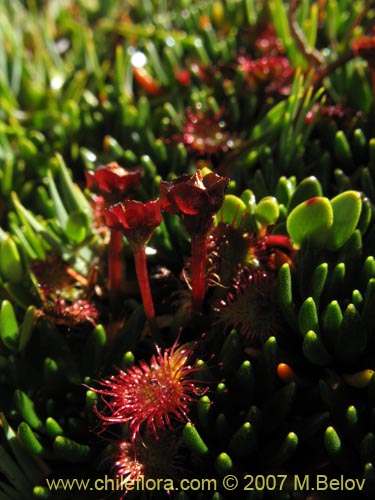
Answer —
(278, 240)
(144, 284)
(115, 262)
(198, 280)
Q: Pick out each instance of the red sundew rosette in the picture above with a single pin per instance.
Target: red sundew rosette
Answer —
(196, 199)
(152, 394)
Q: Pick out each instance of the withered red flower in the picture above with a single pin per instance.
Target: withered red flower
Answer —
(195, 198)
(154, 393)
(112, 179)
(135, 219)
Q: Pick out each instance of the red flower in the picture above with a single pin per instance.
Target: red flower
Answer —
(152, 394)
(195, 198)
(137, 220)
(182, 77)
(364, 46)
(112, 179)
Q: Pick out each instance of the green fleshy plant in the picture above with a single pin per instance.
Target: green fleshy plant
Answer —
(278, 98)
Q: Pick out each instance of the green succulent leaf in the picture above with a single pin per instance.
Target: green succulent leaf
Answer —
(27, 326)
(9, 330)
(267, 211)
(308, 316)
(231, 352)
(193, 440)
(352, 339)
(11, 266)
(244, 441)
(314, 350)
(309, 188)
(77, 226)
(70, 450)
(29, 439)
(26, 407)
(346, 208)
(223, 464)
(232, 211)
(310, 220)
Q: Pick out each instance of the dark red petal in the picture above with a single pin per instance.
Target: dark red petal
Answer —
(189, 198)
(213, 180)
(134, 213)
(167, 203)
(216, 186)
(107, 181)
(115, 216)
(142, 214)
(154, 213)
(91, 182)
(113, 177)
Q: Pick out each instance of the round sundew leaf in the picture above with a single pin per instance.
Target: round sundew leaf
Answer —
(232, 211)
(346, 208)
(77, 226)
(267, 211)
(310, 220)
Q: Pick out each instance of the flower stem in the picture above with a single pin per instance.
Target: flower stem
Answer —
(144, 285)
(198, 281)
(115, 263)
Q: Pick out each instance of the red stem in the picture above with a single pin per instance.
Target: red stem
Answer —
(198, 280)
(279, 240)
(115, 263)
(144, 285)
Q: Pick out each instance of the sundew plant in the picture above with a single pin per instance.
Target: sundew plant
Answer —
(187, 240)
